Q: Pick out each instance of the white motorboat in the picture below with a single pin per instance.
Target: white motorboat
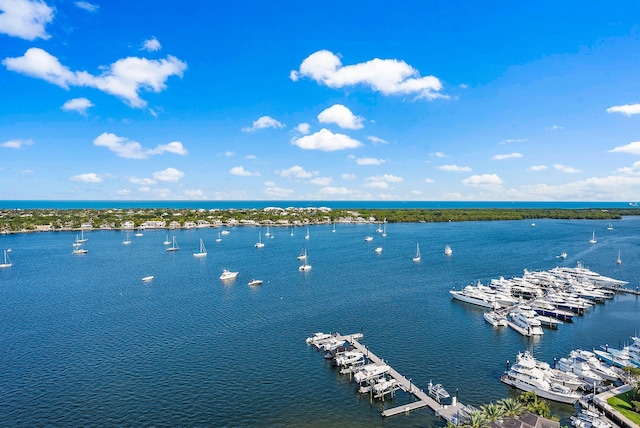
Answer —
(255, 282)
(7, 261)
(523, 320)
(378, 250)
(495, 319)
(473, 295)
(417, 257)
(597, 366)
(227, 275)
(174, 245)
(368, 238)
(525, 375)
(203, 250)
(148, 278)
(448, 251)
(225, 232)
(370, 371)
(349, 358)
(580, 368)
(437, 391)
(589, 419)
(318, 337)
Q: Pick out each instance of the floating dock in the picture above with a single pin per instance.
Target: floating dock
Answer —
(452, 412)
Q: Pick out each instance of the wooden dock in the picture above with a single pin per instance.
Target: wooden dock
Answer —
(451, 412)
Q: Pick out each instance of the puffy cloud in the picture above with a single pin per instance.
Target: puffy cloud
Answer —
(326, 141)
(611, 188)
(132, 149)
(241, 172)
(627, 109)
(482, 180)
(341, 191)
(507, 156)
(429, 180)
(321, 181)
(376, 140)
(90, 177)
(438, 155)
(537, 168)
(387, 76)
(168, 175)
(77, 104)
(16, 144)
(123, 192)
(89, 7)
(347, 176)
(274, 191)
(194, 194)
(632, 148)
(229, 153)
(341, 116)
(303, 128)
(263, 123)
(369, 161)
(151, 45)
(632, 170)
(124, 78)
(382, 181)
(296, 172)
(25, 19)
(454, 168)
(566, 169)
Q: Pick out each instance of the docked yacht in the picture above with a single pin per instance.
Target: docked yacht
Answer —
(580, 368)
(370, 371)
(473, 295)
(349, 358)
(318, 337)
(597, 366)
(437, 392)
(525, 375)
(495, 318)
(523, 320)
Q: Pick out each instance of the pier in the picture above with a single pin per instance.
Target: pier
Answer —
(452, 412)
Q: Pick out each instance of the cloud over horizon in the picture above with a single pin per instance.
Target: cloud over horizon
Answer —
(125, 148)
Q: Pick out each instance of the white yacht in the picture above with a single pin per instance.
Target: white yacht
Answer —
(437, 391)
(368, 238)
(349, 358)
(523, 320)
(580, 368)
(219, 238)
(473, 295)
(7, 262)
(448, 251)
(495, 318)
(317, 337)
(525, 375)
(597, 366)
(79, 250)
(610, 227)
(255, 282)
(370, 371)
(225, 232)
(228, 275)
(304, 267)
(378, 250)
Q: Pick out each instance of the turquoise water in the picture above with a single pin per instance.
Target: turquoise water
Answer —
(85, 342)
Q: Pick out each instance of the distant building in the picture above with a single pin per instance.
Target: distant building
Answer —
(525, 420)
(174, 225)
(127, 225)
(154, 224)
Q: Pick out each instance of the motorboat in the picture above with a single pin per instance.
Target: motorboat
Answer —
(437, 392)
(370, 371)
(349, 358)
(597, 366)
(255, 282)
(495, 319)
(525, 375)
(318, 337)
(473, 295)
(523, 320)
(589, 419)
(378, 250)
(228, 275)
(448, 251)
(580, 368)
(148, 278)
(368, 238)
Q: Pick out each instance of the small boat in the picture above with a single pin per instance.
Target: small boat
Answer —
(448, 251)
(378, 250)
(219, 238)
(267, 233)
(147, 278)
(417, 257)
(7, 262)
(303, 254)
(228, 275)
(139, 232)
(79, 250)
(437, 391)
(563, 255)
(618, 260)
(593, 238)
(368, 238)
(127, 241)
(202, 252)
(259, 244)
(384, 230)
(533, 225)
(225, 232)
(77, 242)
(307, 235)
(254, 282)
(304, 266)
(495, 319)
(332, 230)
(82, 238)
(610, 227)
(292, 231)
(166, 240)
(174, 245)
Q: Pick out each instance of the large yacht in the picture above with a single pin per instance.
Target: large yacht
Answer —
(523, 320)
(228, 275)
(525, 375)
(473, 295)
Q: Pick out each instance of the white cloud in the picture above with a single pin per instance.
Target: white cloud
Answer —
(513, 140)
(123, 192)
(347, 176)
(151, 45)
(632, 170)
(132, 149)
(341, 191)
(341, 116)
(632, 148)
(369, 161)
(438, 155)
(627, 109)
(303, 128)
(429, 180)
(376, 140)
(382, 181)
(142, 181)
(90, 177)
(326, 141)
(277, 192)
(482, 180)
(16, 144)
(168, 175)
(263, 123)
(89, 7)
(26, 171)
(229, 153)
(387, 76)
(251, 157)
(555, 128)
(566, 169)
(454, 168)
(144, 189)
(194, 194)
(321, 181)
(537, 168)
(25, 19)
(77, 104)
(124, 78)
(241, 172)
(507, 156)
(297, 172)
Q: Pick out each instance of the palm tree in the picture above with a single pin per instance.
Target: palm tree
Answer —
(511, 406)
(493, 412)
(476, 420)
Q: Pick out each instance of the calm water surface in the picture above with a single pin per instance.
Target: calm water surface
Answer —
(85, 342)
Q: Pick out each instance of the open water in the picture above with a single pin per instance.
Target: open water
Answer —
(84, 342)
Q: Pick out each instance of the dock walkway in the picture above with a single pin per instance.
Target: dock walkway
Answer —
(450, 412)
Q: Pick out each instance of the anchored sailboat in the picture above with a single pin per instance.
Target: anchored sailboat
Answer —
(417, 256)
(203, 250)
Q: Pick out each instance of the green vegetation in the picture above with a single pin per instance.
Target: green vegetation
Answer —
(623, 403)
(17, 220)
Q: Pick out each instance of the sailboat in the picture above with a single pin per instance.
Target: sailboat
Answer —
(127, 241)
(384, 230)
(7, 262)
(619, 260)
(379, 229)
(259, 244)
(304, 266)
(219, 237)
(77, 242)
(174, 245)
(82, 238)
(79, 249)
(417, 256)
(610, 227)
(166, 240)
(203, 250)
(307, 235)
(303, 254)
(139, 232)
(292, 231)
(267, 233)
(334, 228)
(593, 238)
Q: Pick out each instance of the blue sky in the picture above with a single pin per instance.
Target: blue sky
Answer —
(363, 100)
